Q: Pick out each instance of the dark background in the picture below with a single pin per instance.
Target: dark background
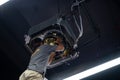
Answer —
(100, 41)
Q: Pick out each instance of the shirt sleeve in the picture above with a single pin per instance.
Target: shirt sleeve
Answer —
(30, 75)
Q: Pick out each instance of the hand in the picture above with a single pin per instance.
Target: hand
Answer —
(60, 47)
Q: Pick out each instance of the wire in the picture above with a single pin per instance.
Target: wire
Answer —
(80, 27)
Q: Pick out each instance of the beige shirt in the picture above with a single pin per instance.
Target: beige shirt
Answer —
(30, 75)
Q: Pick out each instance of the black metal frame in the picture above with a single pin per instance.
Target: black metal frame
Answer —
(66, 31)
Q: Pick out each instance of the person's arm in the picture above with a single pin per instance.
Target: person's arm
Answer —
(38, 63)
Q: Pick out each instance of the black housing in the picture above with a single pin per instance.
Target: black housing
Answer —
(64, 29)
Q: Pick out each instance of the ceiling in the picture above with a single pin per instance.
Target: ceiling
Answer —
(99, 43)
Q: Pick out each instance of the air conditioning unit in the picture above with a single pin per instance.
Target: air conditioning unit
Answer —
(52, 27)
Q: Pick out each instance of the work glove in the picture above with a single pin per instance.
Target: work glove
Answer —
(40, 58)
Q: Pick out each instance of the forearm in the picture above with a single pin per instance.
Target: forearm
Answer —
(30, 75)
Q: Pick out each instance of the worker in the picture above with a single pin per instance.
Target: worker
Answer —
(42, 56)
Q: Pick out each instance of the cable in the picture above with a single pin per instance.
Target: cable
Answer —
(80, 27)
